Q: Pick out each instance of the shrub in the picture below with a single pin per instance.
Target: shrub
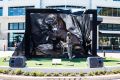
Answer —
(41, 74)
(56, 74)
(73, 74)
(48, 74)
(91, 74)
(26, 73)
(33, 74)
(115, 71)
(102, 72)
(5, 71)
(12, 72)
(97, 72)
(66, 74)
(18, 72)
(82, 74)
(110, 72)
(1, 71)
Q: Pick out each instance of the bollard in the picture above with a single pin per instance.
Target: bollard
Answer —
(104, 54)
(4, 46)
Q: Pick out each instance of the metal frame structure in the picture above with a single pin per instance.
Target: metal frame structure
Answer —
(27, 36)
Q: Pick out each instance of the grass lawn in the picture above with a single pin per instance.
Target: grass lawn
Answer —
(75, 63)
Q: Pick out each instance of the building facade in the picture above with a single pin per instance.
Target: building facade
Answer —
(12, 19)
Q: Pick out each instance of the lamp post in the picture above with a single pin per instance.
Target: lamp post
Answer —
(90, 4)
(40, 3)
(112, 47)
(65, 3)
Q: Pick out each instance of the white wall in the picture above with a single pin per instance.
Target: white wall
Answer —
(113, 20)
(64, 2)
(105, 3)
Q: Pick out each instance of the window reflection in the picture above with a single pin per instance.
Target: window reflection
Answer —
(109, 27)
(99, 10)
(104, 12)
(16, 26)
(15, 11)
(109, 41)
(115, 12)
(116, 0)
(1, 11)
(103, 27)
(118, 11)
(108, 11)
(14, 38)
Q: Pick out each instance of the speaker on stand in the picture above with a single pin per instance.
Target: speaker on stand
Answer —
(95, 62)
(17, 61)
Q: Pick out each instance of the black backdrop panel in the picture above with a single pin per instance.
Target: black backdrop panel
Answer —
(46, 30)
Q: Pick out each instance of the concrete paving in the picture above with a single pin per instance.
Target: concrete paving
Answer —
(14, 77)
(100, 53)
(109, 54)
(61, 70)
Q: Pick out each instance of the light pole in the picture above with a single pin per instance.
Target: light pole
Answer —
(90, 4)
(40, 3)
(65, 4)
(112, 47)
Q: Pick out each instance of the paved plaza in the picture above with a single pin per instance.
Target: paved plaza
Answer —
(114, 54)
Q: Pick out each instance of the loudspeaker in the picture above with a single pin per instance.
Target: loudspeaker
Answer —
(95, 62)
(17, 61)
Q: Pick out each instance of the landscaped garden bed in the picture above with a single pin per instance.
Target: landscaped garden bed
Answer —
(75, 63)
(70, 74)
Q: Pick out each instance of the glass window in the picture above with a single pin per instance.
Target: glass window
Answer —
(103, 27)
(104, 41)
(14, 38)
(115, 12)
(109, 41)
(116, 0)
(118, 11)
(11, 27)
(99, 11)
(21, 26)
(110, 27)
(1, 11)
(116, 27)
(109, 10)
(104, 12)
(10, 11)
(16, 26)
(16, 11)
